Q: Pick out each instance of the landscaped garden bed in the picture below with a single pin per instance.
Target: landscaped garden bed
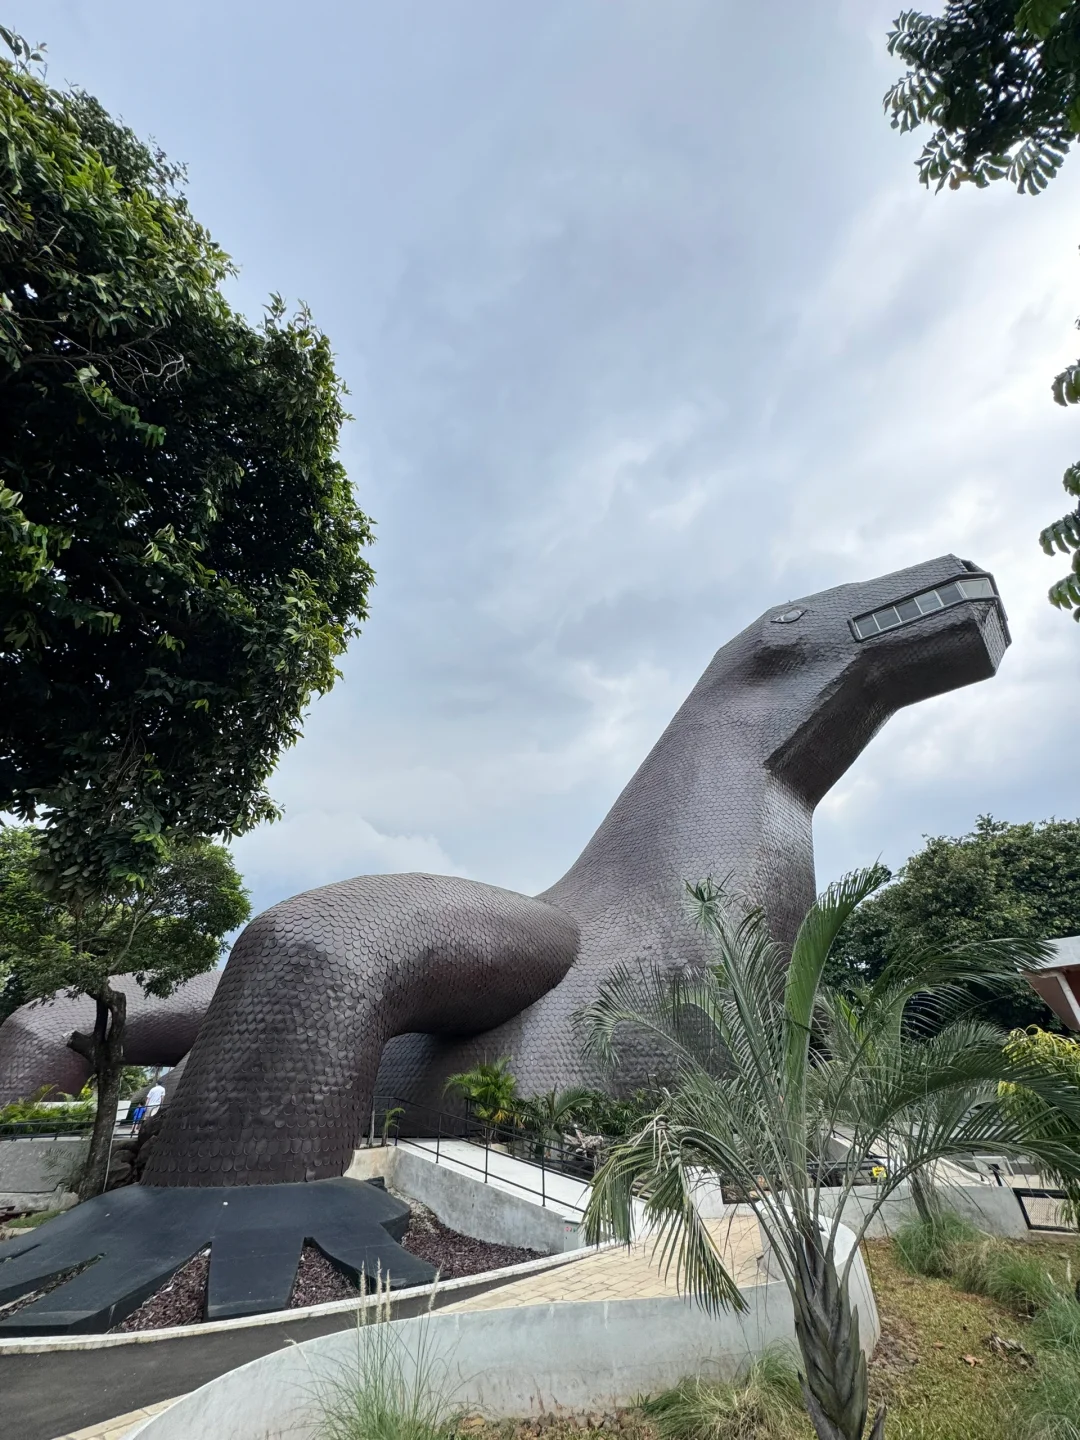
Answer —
(945, 1366)
(182, 1299)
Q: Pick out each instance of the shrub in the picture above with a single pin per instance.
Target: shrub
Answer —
(1058, 1056)
(392, 1390)
(1019, 1281)
(33, 1108)
(764, 1403)
(604, 1114)
(1057, 1325)
(933, 1247)
(1050, 1409)
(489, 1089)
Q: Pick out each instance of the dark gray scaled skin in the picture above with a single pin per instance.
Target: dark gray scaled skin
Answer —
(728, 791)
(433, 974)
(278, 1086)
(34, 1052)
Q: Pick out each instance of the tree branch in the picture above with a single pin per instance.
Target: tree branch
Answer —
(83, 1045)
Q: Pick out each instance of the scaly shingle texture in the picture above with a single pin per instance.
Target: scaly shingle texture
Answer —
(34, 1053)
(392, 982)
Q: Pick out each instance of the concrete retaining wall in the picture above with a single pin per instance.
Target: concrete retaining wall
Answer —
(480, 1210)
(518, 1361)
(993, 1209)
(33, 1170)
(485, 1212)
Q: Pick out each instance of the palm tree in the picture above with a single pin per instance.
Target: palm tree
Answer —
(769, 1065)
(548, 1116)
(490, 1091)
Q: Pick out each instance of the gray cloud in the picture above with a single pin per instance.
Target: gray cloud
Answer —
(648, 326)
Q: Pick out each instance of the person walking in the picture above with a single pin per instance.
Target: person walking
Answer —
(154, 1096)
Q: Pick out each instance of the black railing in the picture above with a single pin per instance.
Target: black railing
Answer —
(44, 1129)
(546, 1157)
(1043, 1209)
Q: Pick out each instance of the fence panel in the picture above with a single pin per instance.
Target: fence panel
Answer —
(1043, 1209)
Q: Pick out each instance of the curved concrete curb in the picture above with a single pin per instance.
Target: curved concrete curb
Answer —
(520, 1361)
(51, 1387)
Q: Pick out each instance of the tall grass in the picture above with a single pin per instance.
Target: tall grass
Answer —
(1019, 1282)
(763, 1403)
(948, 1247)
(395, 1387)
(1051, 1408)
(932, 1247)
(1057, 1325)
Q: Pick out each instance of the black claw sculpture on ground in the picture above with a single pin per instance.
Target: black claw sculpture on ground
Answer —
(255, 1242)
(395, 981)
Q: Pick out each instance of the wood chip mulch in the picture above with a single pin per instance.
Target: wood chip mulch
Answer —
(455, 1255)
(318, 1280)
(180, 1301)
(14, 1306)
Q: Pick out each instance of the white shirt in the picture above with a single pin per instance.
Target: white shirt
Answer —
(154, 1097)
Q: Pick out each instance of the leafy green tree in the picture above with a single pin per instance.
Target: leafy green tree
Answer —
(754, 1104)
(181, 556)
(26, 922)
(1060, 1055)
(164, 930)
(999, 83)
(999, 880)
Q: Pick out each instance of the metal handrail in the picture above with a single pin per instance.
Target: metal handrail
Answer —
(43, 1129)
(450, 1127)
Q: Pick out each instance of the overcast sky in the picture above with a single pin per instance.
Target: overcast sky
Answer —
(648, 326)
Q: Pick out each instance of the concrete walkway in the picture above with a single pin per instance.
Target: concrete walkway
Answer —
(627, 1274)
(117, 1428)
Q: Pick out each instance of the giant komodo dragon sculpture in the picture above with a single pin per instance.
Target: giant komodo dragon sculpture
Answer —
(394, 981)
(35, 1055)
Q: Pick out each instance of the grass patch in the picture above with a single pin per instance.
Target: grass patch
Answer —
(934, 1367)
(1050, 1410)
(765, 1403)
(1010, 1275)
(932, 1247)
(31, 1222)
(1057, 1325)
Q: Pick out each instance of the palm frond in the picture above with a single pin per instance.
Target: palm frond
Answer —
(775, 1074)
(813, 942)
(641, 1000)
(944, 977)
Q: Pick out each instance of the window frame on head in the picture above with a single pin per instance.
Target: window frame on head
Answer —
(973, 585)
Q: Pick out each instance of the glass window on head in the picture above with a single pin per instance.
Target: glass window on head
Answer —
(952, 592)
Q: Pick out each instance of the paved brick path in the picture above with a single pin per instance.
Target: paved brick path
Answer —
(629, 1274)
